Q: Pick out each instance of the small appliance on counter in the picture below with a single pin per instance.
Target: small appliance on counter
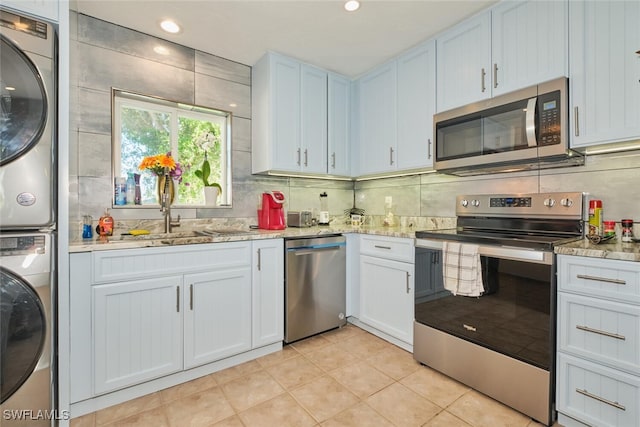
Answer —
(299, 219)
(271, 215)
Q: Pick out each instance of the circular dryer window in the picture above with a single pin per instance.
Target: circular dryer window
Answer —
(22, 332)
(23, 103)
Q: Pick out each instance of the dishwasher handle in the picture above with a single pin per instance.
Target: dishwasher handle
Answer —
(306, 250)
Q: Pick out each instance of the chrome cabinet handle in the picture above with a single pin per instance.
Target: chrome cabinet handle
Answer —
(495, 75)
(429, 149)
(191, 297)
(601, 332)
(259, 260)
(306, 157)
(333, 160)
(178, 299)
(382, 247)
(482, 75)
(408, 287)
(601, 399)
(575, 120)
(298, 157)
(601, 279)
(391, 155)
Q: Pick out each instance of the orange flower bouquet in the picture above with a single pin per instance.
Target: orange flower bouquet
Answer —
(159, 162)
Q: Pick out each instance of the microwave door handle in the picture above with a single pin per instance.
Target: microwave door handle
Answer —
(530, 122)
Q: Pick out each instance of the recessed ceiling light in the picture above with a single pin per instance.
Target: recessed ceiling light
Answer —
(352, 5)
(170, 26)
(161, 50)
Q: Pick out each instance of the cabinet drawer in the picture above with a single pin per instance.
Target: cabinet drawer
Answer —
(128, 264)
(597, 395)
(604, 331)
(600, 277)
(398, 249)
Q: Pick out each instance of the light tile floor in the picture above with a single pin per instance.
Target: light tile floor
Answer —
(345, 377)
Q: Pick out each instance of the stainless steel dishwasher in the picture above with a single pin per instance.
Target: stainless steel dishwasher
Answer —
(315, 285)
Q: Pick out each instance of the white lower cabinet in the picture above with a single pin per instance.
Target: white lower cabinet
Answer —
(387, 286)
(217, 315)
(137, 331)
(598, 362)
(139, 315)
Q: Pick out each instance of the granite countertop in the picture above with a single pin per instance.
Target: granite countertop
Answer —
(187, 237)
(615, 250)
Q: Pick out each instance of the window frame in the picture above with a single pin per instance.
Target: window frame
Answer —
(125, 98)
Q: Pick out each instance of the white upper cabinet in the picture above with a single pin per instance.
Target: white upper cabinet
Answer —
(464, 63)
(416, 106)
(529, 41)
(377, 120)
(290, 118)
(338, 125)
(604, 72)
(313, 110)
(47, 9)
(512, 46)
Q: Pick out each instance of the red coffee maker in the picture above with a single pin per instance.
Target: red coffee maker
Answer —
(271, 216)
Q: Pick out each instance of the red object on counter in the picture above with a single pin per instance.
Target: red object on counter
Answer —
(271, 216)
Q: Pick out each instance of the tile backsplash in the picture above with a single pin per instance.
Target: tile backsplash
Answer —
(104, 55)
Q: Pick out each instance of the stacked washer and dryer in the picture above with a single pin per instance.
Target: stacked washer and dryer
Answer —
(27, 221)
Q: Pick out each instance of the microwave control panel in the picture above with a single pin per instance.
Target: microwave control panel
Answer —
(549, 118)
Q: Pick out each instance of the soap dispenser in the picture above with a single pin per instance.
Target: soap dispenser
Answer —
(324, 209)
(105, 225)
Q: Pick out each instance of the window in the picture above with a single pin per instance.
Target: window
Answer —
(145, 126)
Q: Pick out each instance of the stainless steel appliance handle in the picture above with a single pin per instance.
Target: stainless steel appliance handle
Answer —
(601, 332)
(601, 399)
(313, 250)
(507, 252)
(601, 279)
(530, 120)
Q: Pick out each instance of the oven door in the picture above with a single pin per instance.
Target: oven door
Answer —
(515, 316)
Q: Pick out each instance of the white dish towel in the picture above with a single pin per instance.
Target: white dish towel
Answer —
(461, 270)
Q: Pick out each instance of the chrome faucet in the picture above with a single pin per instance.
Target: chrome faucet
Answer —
(165, 207)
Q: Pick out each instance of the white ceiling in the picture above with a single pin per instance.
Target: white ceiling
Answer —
(319, 32)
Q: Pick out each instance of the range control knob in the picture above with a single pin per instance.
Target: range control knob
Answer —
(475, 203)
(464, 203)
(566, 202)
(549, 203)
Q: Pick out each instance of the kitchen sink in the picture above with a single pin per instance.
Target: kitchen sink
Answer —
(206, 232)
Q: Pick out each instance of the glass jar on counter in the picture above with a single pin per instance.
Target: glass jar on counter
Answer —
(627, 230)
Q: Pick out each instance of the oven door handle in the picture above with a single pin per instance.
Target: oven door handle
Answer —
(506, 252)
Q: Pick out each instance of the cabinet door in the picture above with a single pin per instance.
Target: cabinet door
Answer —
(217, 319)
(378, 120)
(464, 61)
(386, 296)
(285, 114)
(338, 125)
(529, 43)
(313, 125)
(416, 106)
(605, 71)
(268, 292)
(137, 332)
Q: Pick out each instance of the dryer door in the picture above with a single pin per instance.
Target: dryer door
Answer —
(22, 332)
(23, 103)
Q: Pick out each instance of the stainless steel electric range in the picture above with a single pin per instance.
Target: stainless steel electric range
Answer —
(501, 343)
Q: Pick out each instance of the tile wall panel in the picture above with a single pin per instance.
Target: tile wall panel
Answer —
(215, 66)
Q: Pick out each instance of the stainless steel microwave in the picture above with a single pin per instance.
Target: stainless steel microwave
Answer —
(522, 130)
